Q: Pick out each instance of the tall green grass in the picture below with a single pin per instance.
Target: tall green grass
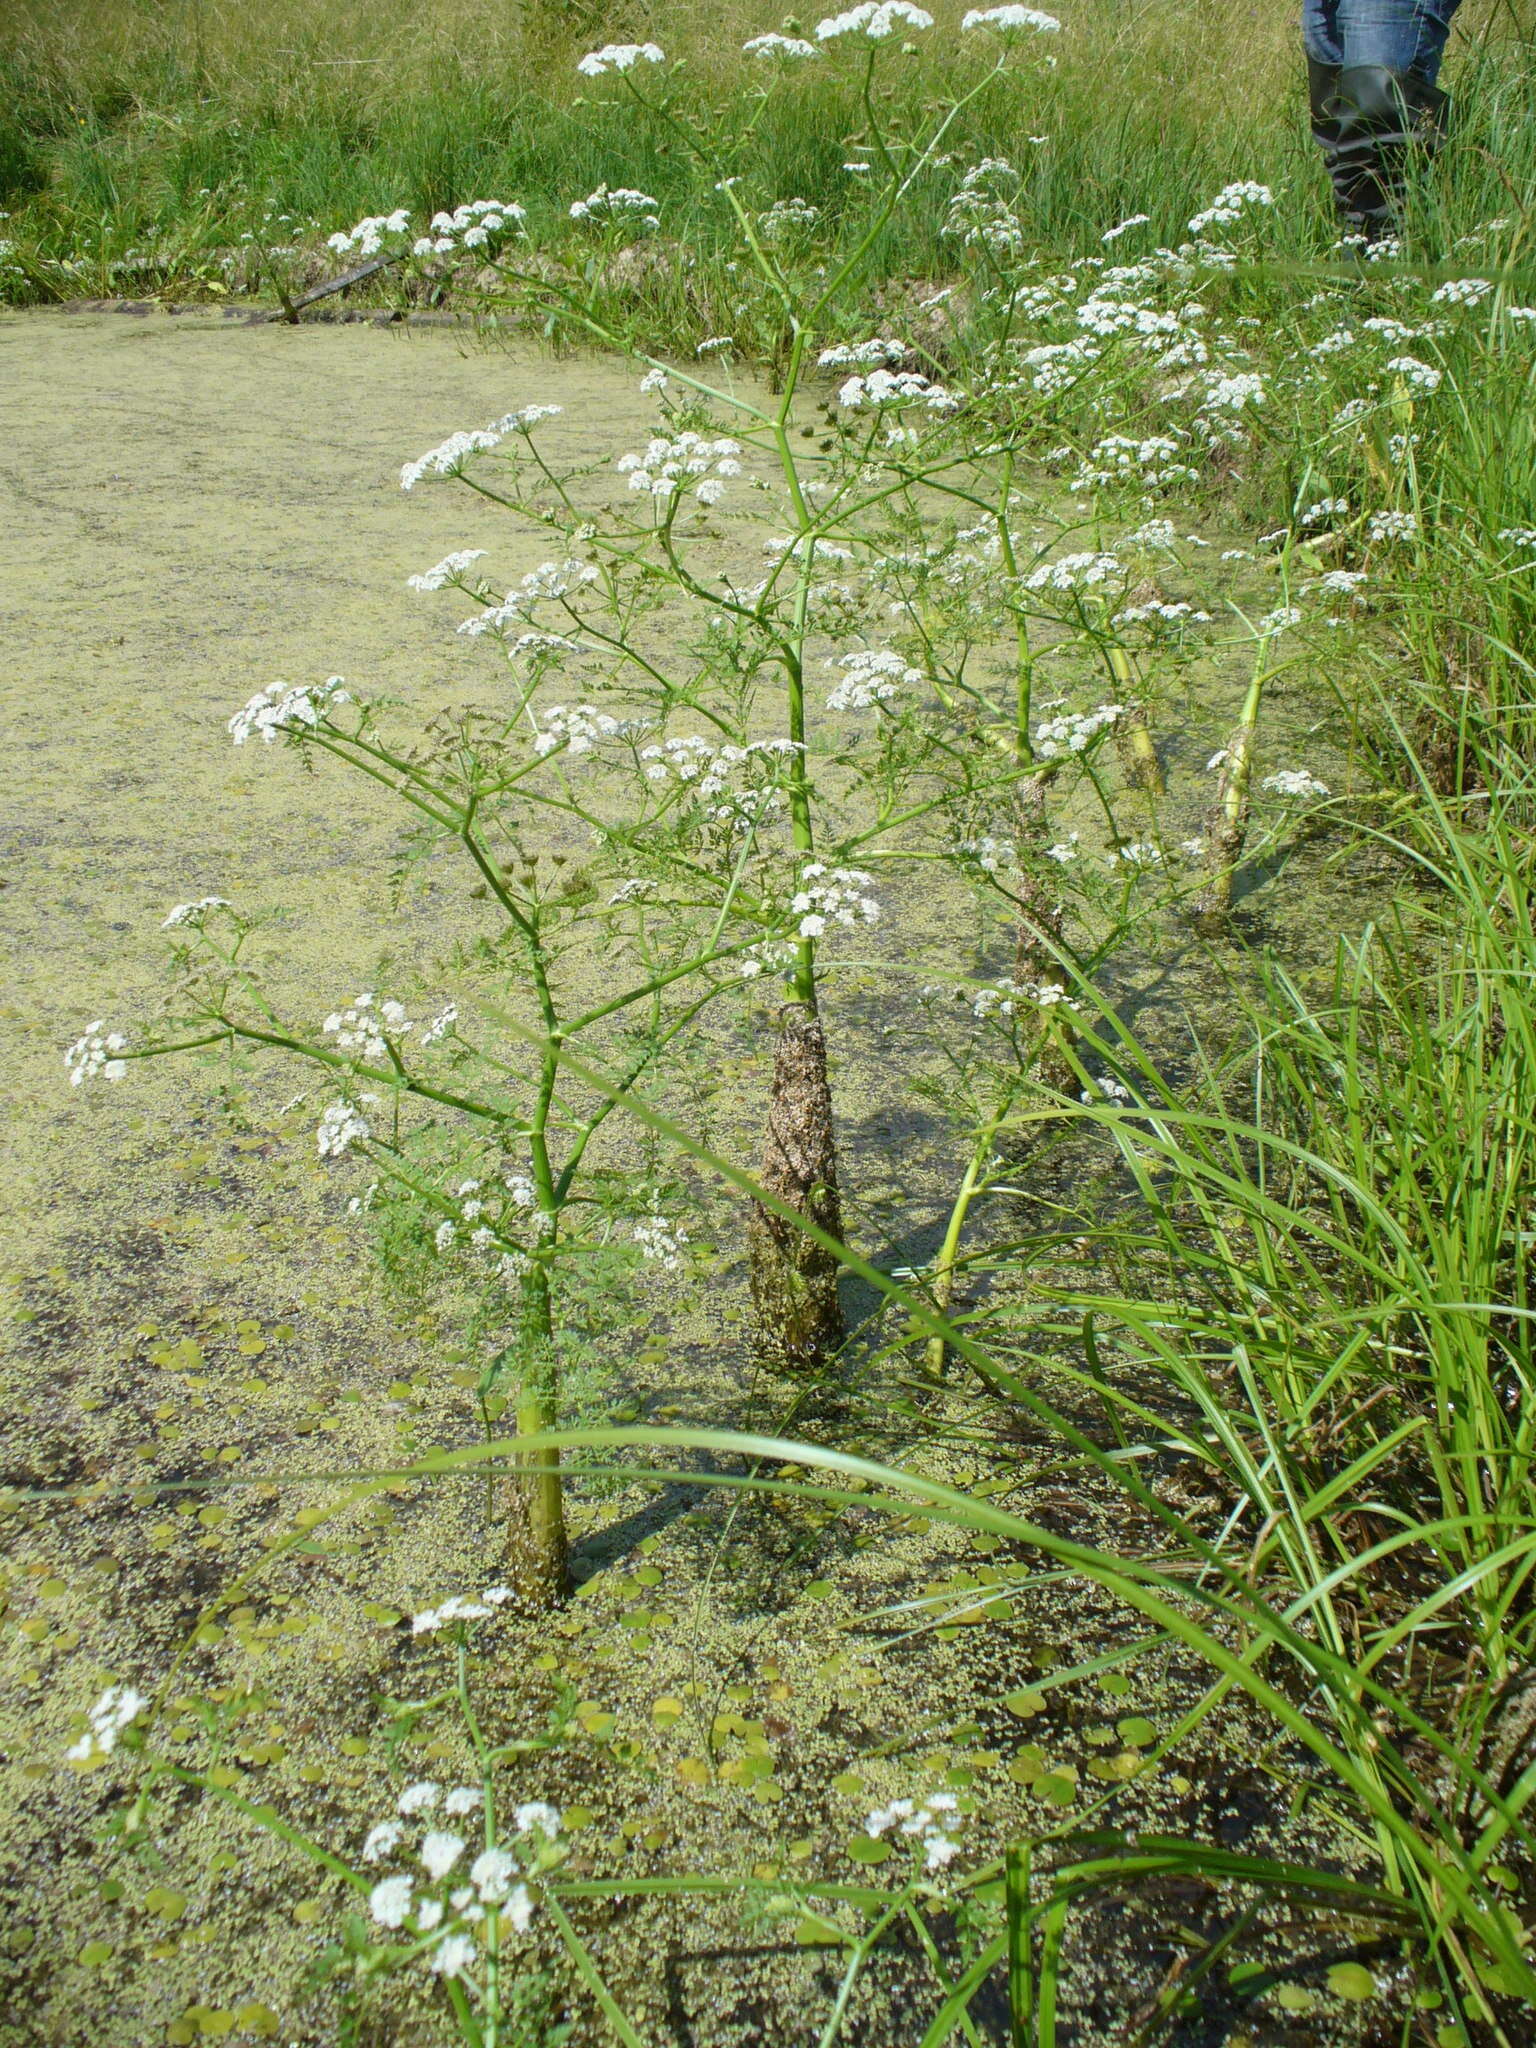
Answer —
(178, 129)
(141, 147)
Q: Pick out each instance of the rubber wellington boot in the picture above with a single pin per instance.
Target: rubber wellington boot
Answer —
(1368, 122)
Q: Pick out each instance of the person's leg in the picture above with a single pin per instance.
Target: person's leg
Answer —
(1404, 36)
(1382, 103)
(1324, 48)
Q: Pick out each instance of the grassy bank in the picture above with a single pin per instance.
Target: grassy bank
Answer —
(146, 149)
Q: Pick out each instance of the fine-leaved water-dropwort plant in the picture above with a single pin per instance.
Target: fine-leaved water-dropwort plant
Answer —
(785, 656)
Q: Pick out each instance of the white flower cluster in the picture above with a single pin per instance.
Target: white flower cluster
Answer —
(1323, 510)
(478, 224)
(447, 571)
(1421, 376)
(365, 1028)
(930, 1826)
(370, 234)
(1280, 620)
(483, 1229)
(1104, 314)
(1057, 365)
(449, 456)
(574, 729)
(862, 355)
(1341, 582)
(793, 49)
(982, 213)
(771, 953)
(1393, 332)
(989, 854)
(871, 676)
(1002, 1003)
(1332, 344)
(803, 547)
(787, 218)
(713, 773)
(1152, 462)
(1158, 612)
(670, 462)
(875, 19)
(1294, 782)
(1460, 291)
(546, 584)
(615, 204)
(192, 913)
(441, 1025)
(660, 1241)
(95, 1055)
(1135, 220)
(618, 57)
(341, 1125)
(880, 390)
(1230, 204)
(1009, 19)
(634, 889)
(1233, 391)
(445, 1911)
(1105, 1088)
(118, 1708)
(286, 707)
(1392, 526)
(1074, 572)
(832, 896)
(458, 1607)
(1072, 732)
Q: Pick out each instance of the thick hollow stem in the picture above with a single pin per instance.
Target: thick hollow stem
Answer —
(1040, 910)
(537, 1561)
(794, 1279)
(1142, 766)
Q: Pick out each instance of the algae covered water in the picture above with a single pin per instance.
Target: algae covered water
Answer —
(200, 507)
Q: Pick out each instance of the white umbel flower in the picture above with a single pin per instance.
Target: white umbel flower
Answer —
(875, 19)
(619, 57)
(95, 1055)
(118, 1708)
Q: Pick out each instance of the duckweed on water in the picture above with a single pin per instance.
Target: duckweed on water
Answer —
(1112, 1617)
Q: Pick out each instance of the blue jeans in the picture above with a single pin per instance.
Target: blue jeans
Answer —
(1402, 35)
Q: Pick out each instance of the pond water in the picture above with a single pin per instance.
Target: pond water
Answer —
(196, 506)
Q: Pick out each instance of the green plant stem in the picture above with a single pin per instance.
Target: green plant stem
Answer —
(971, 1184)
